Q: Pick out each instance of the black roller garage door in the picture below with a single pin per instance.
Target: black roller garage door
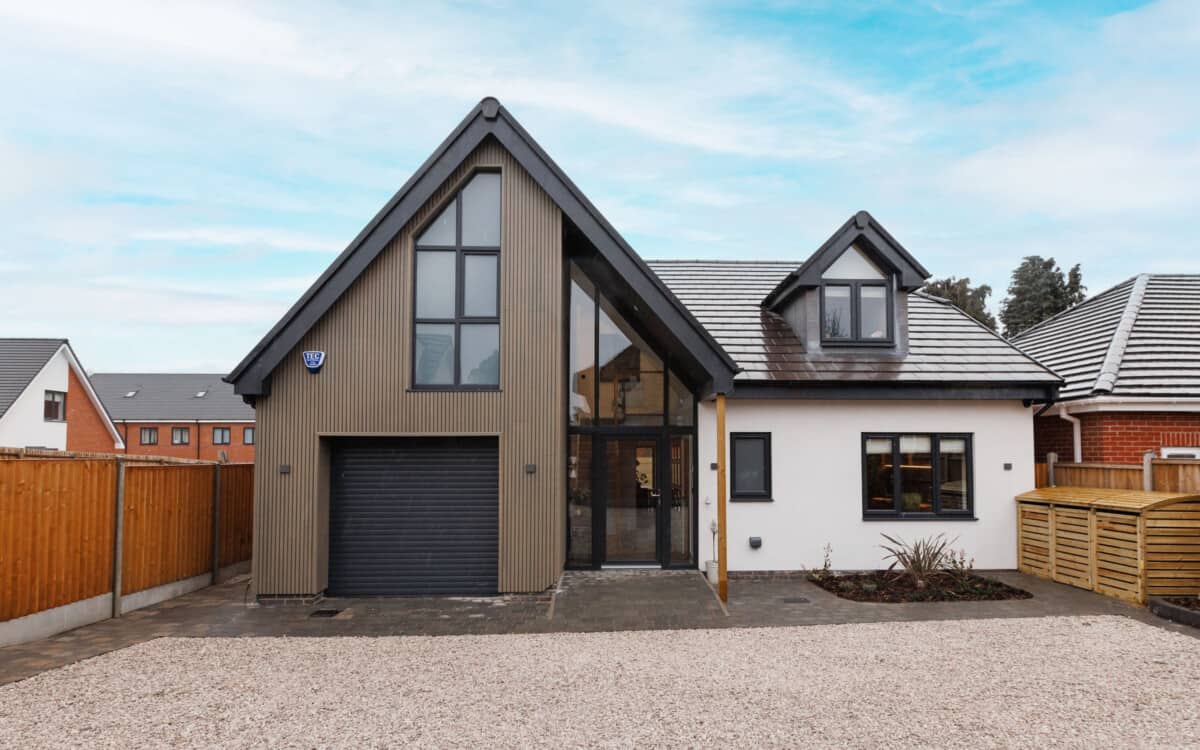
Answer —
(413, 516)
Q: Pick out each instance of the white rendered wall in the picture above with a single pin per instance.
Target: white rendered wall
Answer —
(24, 424)
(816, 468)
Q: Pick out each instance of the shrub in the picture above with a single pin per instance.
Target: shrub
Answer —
(921, 559)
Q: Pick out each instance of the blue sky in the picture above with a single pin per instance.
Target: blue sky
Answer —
(173, 176)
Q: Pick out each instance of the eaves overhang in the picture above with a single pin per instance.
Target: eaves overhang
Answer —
(251, 377)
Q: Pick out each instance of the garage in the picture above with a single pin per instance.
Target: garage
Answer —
(413, 516)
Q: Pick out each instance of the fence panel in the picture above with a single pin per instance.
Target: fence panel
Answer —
(1176, 475)
(56, 533)
(237, 513)
(1111, 476)
(168, 525)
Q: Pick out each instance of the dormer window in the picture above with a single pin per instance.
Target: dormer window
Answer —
(856, 301)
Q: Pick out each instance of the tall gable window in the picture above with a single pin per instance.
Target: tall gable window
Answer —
(856, 301)
(456, 332)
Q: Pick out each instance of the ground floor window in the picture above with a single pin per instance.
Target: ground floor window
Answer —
(751, 466)
(917, 475)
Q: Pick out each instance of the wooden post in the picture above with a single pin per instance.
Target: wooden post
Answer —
(1051, 459)
(118, 538)
(1148, 471)
(216, 523)
(722, 538)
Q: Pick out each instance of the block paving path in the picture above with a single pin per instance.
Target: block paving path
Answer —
(583, 601)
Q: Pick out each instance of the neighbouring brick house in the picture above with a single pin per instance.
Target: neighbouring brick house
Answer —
(183, 415)
(47, 400)
(1131, 360)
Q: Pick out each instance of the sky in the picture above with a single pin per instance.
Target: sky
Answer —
(173, 176)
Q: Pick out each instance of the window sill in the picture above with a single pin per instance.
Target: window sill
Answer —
(919, 517)
(453, 389)
(751, 499)
(853, 344)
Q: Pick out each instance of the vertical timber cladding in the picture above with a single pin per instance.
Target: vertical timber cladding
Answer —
(363, 390)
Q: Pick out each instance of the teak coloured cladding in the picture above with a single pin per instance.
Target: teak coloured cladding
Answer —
(365, 389)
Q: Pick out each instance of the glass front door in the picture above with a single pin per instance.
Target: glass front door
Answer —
(633, 499)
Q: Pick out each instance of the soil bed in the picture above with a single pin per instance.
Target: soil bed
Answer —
(882, 586)
(1187, 602)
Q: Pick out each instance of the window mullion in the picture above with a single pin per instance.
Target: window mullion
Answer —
(935, 490)
(897, 503)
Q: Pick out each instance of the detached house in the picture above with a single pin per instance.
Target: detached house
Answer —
(489, 385)
(1131, 360)
(47, 400)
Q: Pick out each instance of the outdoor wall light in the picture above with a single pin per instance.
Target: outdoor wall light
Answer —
(530, 468)
(755, 542)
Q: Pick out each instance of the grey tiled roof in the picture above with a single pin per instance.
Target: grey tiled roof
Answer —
(945, 344)
(169, 396)
(20, 361)
(1140, 338)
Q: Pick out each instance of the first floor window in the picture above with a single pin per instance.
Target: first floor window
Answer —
(220, 436)
(247, 436)
(918, 474)
(751, 469)
(180, 436)
(149, 436)
(55, 407)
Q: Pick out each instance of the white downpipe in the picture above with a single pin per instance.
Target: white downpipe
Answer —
(1076, 432)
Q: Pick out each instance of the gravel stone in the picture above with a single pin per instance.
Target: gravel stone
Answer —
(1057, 681)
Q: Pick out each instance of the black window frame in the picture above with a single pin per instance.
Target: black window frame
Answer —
(228, 436)
(896, 513)
(185, 431)
(744, 496)
(152, 432)
(59, 399)
(856, 338)
(248, 431)
(460, 318)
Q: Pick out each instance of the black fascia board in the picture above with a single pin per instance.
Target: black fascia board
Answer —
(252, 375)
(880, 244)
(892, 391)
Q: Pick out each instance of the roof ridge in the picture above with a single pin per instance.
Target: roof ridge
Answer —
(1073, 308)
(1111, 367)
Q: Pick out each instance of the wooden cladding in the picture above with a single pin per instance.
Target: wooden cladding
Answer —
(57, 522)
(1141, 545)
(365, 390)
(58, 526)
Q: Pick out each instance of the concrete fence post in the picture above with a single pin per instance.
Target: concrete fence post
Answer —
(1148, 471)
(118, 538)
(216, 523)
(1051, 459)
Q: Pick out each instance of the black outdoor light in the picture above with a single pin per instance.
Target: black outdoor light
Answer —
(755, 542)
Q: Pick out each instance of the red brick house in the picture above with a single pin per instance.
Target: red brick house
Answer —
(183, 415)
(47, 400)
(1130, 357)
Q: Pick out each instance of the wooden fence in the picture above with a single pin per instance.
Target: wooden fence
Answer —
(60, 541)
(1166, 475)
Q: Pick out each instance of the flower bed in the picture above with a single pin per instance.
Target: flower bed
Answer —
(888, 586)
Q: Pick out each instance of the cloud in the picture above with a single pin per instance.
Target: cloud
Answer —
(272, 239)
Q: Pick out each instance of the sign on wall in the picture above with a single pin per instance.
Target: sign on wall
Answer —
(314, 361)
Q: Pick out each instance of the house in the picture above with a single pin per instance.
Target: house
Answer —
(1131, 360)
(182, 415)
(47, 400)
(489, 385)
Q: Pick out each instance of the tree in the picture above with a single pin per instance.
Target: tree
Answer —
(972, 301)
(1039, 290)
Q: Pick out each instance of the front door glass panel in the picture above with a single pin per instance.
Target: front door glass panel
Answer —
(631, 520)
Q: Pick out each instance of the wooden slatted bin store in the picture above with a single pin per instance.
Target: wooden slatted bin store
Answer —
(1124, 543)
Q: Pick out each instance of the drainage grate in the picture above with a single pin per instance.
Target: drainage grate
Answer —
(794, 600)
(325, 613)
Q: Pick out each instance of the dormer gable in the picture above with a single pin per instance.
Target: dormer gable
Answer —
(852, 292)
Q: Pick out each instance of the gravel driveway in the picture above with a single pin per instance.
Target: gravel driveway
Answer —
(1077, 682)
